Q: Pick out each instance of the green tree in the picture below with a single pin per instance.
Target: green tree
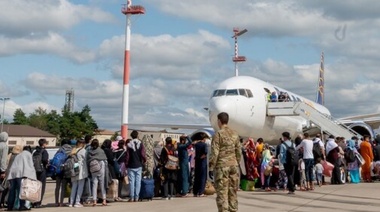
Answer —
(19, 117)
(90, 126)
(39, 119)
(53, 122)
(77, 124)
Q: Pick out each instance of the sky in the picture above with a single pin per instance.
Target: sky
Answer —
(180, 51)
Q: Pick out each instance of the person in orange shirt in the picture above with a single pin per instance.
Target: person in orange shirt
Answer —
(367, 154)
(259, 147)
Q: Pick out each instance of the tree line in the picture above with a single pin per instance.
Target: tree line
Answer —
(71, 125)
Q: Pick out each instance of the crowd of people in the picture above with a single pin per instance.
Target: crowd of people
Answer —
(305, 162)
(86, 172)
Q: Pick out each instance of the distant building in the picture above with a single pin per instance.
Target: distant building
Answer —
(27, 135)
(158, 135)
(102, 135)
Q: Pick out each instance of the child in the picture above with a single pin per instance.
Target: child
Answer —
(301, 169)
(282, 178)
(318, 172)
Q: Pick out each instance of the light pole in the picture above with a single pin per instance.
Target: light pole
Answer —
(2, 116)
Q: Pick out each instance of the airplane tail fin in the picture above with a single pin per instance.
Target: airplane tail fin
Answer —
(321, 83)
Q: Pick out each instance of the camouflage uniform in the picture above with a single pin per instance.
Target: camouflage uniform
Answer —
(225, 154)
(149, 165)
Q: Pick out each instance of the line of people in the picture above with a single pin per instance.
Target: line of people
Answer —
(304, 161)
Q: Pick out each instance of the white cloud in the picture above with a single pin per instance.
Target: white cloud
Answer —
(172, 76)
(51, 43)
(21, 18)
(181, 57)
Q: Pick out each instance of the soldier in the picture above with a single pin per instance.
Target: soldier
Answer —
(225, 154)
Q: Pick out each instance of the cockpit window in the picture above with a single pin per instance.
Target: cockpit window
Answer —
(232, 92)
(249, 92)
(242, 92)
(219, 92)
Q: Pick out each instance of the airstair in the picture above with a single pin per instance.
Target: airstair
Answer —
(325, 122)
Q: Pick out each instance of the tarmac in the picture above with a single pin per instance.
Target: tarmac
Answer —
(346, 197)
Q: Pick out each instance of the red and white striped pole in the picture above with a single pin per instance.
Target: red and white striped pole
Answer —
(128, 10)
(124, 121)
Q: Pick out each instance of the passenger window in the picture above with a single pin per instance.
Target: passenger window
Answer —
(249, 92)
(294, 98)
(242, 92)
(220, 92)
(232, 92)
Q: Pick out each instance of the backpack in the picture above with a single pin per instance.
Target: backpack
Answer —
(37, 160)
(116, 164)
(57, 163)
(95, 166)
(69, 169)
(349, 155)
(317, 151)
(291, 154)
(173, 162)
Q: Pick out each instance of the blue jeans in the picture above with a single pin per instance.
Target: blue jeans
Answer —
(76, 191)
(266, 181)
(134, 177)
(319, 178)
(309, 163)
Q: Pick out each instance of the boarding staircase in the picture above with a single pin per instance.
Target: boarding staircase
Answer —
(327, 123)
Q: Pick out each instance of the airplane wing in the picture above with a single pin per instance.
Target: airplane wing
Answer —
(171, 126)
(194, 135)
(373, 120)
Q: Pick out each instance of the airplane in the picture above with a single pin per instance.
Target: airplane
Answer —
(245, 99)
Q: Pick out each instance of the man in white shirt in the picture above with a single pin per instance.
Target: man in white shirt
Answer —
(308, 158)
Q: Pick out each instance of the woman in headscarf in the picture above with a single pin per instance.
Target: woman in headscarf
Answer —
(11, 156)
(266, 163)
(184, 171)
(22, 166)
(119, 154)
(158, 145)
(148, 144)
(332, 152)
(107, 148)
(98, 170)
(169, 176)
(367, 154)
(252, 160)
(353, 167)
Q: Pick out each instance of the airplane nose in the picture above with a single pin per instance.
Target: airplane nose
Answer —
(218, 105)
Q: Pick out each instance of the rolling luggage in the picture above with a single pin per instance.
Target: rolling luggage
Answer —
(147, 189)
(113, 189)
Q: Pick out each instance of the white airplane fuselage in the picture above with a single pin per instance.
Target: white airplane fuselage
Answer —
(244, 98)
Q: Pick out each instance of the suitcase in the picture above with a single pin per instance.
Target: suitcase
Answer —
(113, 188)
(30, 190)
(147, 189)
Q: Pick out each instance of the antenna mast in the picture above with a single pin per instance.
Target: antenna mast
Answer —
(237, 59)
(69, 100)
